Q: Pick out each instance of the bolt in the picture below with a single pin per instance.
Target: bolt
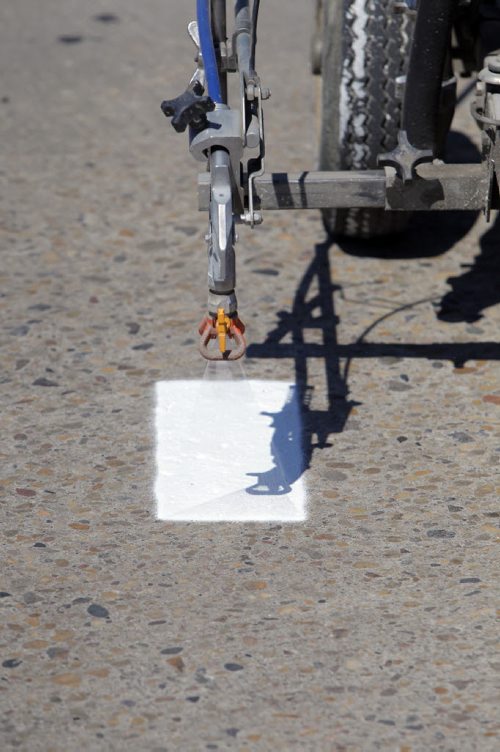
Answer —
(265, 93)
(494, 65)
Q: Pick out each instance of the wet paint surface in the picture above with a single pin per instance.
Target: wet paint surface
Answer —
(228, 450)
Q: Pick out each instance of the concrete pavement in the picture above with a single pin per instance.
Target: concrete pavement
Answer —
(371, 625)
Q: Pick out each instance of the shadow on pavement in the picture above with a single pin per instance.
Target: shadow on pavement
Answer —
(429, 234)
(318, 312)
(479, 287)
(286, 450)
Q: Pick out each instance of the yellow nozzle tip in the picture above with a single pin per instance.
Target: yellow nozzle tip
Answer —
(223, 324)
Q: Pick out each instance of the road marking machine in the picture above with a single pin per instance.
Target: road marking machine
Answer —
(389, 91)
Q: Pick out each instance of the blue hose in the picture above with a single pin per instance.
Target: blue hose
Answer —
(208, 51)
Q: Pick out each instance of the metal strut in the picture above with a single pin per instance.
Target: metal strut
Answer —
(222, 323)
(221, 257)
(230, 142)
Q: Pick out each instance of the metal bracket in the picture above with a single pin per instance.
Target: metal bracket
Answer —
(405, 158)
(252, 217)
(199, 74)
(488, 83)
(492, 149)
(228, 58)
(224, 131)
(485, 109)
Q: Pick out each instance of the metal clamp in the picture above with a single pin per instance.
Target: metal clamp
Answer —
(224, 130)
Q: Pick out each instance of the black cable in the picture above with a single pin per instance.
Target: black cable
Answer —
(255, 18)
(219, 20)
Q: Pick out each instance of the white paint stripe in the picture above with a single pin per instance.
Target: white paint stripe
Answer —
(229, 450)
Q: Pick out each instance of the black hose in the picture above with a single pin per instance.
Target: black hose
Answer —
(255, 18)
(208, 50)
(219, 20)
(430, 47)
(219, 31)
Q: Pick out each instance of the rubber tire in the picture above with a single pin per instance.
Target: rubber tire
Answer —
(365, 48)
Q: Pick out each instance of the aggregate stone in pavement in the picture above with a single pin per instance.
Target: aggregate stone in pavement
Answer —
(369, 626)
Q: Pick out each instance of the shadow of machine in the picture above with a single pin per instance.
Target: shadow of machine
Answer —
(479, 287)
(318, 312)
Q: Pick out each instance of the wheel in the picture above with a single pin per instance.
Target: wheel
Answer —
(365, 51)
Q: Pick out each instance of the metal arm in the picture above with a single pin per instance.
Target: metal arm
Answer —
(219, 137)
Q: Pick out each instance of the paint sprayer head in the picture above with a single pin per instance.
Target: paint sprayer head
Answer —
(222, 328)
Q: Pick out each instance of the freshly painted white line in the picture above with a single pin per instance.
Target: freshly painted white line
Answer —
(229, 450)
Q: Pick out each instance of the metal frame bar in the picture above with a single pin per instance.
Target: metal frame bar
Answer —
(437, 187)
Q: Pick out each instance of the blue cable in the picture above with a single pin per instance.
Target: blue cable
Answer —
(208, 51)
